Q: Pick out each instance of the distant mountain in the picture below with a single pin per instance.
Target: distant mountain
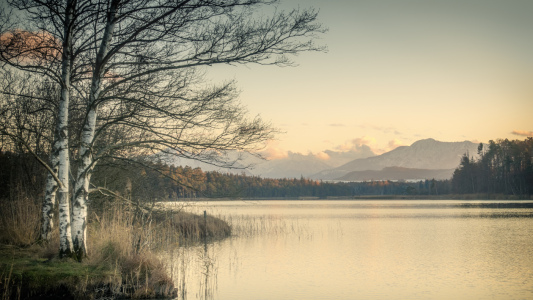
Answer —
(423, 159)
(294, 165)
(398, 173)
(426, 154)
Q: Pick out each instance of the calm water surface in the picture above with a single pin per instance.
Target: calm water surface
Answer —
(363, 250)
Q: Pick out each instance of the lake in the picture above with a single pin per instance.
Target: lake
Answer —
(397, 249)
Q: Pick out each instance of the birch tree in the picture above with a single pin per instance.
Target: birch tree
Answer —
(137, 66)
(35, 52)
(45, 47)
(26, 124)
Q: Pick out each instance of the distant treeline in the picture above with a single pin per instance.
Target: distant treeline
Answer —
(184, 182)
(504, 167)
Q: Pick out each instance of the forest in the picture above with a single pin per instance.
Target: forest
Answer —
(503, 168)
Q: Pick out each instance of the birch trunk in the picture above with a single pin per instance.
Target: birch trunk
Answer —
(81, 188)
(49, 202)
(86, 158)
(65, 236)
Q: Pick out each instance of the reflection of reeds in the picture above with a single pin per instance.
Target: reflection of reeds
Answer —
(194, 270)
(197, 266)
(253, 225)
(209, 270)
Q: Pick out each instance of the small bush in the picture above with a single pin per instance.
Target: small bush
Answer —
(191, 227)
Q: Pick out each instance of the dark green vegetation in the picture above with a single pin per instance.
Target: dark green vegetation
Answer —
(503, 171)
(504, 167)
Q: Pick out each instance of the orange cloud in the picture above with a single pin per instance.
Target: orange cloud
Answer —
(322, 155)
(393, 144)
(371, 143)
(357, 143)
(273, 151)
(38, 48)
(366, 140)
(25, 47)
(522, 133)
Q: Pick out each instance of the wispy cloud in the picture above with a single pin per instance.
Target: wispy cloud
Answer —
(273, 151)
(356, 144)
(383, 129)
(337, 125)
(322, 155)
(393, 144)
(370, 143)
(360, 143)
(522, 132)
(359, 147)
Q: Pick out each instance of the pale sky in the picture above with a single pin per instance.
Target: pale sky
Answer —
(398, 71)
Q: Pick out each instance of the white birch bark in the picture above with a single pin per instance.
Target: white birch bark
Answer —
(86, 158)
(65, 236)
(49, 202)
(81, 187)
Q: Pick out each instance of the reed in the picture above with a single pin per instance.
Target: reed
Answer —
(253, 225)
(117, 238)
(194, 228)
(124, 258)
(19, 221)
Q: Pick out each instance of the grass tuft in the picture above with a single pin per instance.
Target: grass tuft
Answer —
(123, 259)
(20, 221)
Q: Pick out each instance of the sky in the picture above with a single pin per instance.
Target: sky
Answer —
(397, 71)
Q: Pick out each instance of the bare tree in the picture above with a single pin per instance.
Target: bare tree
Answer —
(46, 49)
(26, 121)
(137, 65)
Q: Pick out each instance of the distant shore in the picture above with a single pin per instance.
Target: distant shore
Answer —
(371, 197)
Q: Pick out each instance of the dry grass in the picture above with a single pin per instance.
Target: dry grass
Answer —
(125, 240)
(123, 258)
(19, 221)
(193, 228)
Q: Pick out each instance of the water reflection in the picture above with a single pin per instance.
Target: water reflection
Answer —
(209, 273)
(364, 249)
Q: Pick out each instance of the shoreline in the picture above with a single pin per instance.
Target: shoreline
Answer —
(34, 272)
(27, 272)
(364, 197)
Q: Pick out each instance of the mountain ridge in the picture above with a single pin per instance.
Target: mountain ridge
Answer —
(424, 159)
(428, 154)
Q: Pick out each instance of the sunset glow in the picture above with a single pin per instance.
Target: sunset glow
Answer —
(400, 71)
